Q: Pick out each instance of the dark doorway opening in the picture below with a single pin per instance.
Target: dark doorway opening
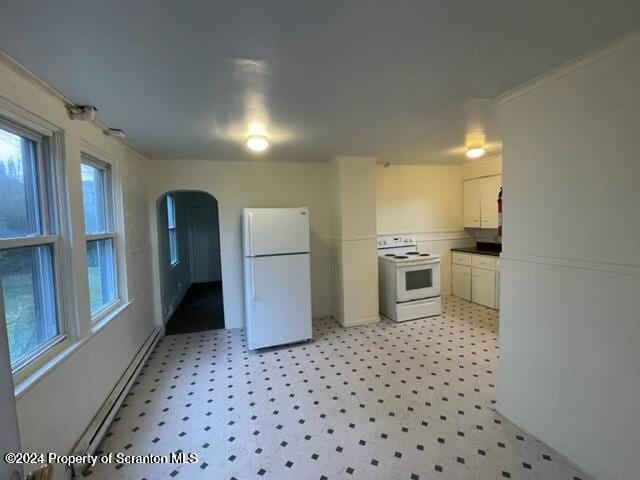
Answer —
(201, 309)
(189, 237)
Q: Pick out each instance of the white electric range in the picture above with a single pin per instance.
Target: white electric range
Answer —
(408, 280)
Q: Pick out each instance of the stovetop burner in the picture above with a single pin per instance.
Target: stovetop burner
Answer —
(401, 257)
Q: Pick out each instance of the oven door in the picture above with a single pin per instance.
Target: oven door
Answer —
(414, 282)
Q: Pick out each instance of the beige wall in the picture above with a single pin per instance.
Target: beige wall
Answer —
(570, 327)
(54, 409)
(425, 200)
(236, 185)
(418, 199)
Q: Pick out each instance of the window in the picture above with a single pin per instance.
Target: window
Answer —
(29, 244)
(171, 225)
(100, 233)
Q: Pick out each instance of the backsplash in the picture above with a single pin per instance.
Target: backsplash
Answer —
(487, 235)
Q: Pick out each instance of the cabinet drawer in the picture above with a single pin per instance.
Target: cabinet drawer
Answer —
(484, 261)
(419, 309)
(461, 258)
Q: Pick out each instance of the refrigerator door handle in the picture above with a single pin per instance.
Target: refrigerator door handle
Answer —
(253, 285)
(250, 218)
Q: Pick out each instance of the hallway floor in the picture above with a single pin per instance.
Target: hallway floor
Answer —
(389, 401)
(201, 309)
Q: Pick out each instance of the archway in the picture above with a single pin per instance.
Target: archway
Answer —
(191, 290)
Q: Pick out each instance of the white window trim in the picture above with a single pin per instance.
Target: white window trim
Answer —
(77, 331)
(172, 262)
(98, 158)
(52, 199)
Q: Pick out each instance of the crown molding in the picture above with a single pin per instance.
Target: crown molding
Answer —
(32, 78)
(565, 69)
(478, 161)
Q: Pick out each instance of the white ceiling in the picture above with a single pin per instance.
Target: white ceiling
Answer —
(403, 80)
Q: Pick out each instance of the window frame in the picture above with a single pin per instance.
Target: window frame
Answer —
(111, 232)
(49, 166)
(171, 220)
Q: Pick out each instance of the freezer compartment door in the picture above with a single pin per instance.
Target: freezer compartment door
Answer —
(274, 231)
(278, 300)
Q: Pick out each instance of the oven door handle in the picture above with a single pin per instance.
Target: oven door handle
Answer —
(419, 264)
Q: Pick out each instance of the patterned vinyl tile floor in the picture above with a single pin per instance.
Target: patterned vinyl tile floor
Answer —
(388, 401)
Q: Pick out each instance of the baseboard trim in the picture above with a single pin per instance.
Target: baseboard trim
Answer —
(174, 304)
(580, 462)
(98, 427)
(359, 323)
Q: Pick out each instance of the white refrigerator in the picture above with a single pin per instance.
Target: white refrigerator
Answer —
(277, 276)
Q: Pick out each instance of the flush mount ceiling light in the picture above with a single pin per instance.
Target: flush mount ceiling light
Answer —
(257, 143)
(475, 152)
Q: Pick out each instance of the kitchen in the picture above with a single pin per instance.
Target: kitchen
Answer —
(433, 210)
(442, 206)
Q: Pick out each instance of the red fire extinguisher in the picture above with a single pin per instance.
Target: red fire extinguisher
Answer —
(500, 212)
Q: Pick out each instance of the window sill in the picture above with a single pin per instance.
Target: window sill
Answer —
(104, 317)
(37, 362)
(26, 383)
(23, 385)
(107, 310)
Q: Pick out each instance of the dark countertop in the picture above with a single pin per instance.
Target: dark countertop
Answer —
(481, 248)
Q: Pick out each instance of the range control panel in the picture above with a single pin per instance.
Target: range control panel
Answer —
(395, 241)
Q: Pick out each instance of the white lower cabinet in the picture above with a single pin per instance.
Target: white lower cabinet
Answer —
(461, 281)
(476, 278)
(483, 287)
(498, 289)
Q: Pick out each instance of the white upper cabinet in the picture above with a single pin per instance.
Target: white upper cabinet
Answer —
(481, 202)
(489, 188)
(472, 203)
